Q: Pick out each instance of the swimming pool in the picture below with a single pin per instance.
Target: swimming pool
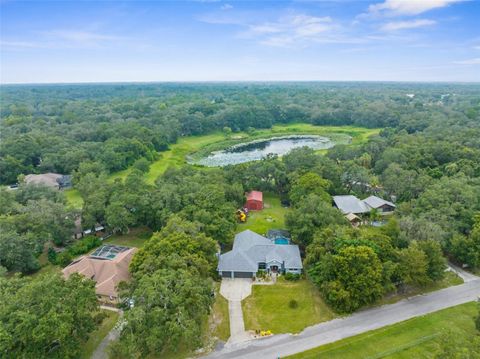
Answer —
(282, 240)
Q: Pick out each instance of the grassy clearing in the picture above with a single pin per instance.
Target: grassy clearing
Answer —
(271, 217)
(135, 238)
(73, 198)
(268, 307)
(219, 320)
(414, 338)
(47, 268)
(98, 334)
(195, 145)
(450, 279)
(339, 134)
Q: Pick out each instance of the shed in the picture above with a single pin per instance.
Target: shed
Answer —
(254, 201)
(353, 219)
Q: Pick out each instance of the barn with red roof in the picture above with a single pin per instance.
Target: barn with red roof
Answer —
(254, 201)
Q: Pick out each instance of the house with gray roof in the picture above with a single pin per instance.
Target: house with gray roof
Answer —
(252, 252)
(351, 204)
(383, 206)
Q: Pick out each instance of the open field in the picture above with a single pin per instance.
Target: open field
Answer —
(98, 334)
(135, 238)
(178, 152)
(268, 307)
(271, 217)
(414, 338)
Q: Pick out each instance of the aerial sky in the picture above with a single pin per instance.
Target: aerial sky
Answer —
(120, 41)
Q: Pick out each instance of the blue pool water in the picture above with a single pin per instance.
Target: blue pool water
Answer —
(281, 241)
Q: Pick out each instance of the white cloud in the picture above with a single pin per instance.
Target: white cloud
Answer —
(80, 37)
(226, 7)
(290, 30)
(411, 24)
(265, 29)
(475, 61)
(407, 7)
(21, 44)
(61, 39)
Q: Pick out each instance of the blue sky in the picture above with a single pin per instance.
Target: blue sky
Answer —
(111, 41)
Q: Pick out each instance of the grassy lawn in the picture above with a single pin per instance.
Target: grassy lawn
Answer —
(414, 338)
(73, 198)
(98, 334)
(47, 268)
(271, 217)
(268, 307)
(135, 238)
(219, 321)
(178, 152)
(450, 279)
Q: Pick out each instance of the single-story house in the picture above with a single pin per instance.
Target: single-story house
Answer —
(252, 252)
(351, 204)
(53, 180)
(254, 201)
(379, 204)
(107, 266)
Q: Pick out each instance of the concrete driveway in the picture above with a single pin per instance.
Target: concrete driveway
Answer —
(235, 290)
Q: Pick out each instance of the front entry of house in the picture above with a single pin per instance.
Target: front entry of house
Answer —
(274, 269)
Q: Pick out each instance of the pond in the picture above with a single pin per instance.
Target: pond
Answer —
(256, 150)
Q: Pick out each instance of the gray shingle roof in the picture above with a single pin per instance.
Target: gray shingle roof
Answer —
(246, 239)
(250, 248)
(350, 204)
(236, 261)
(376, 202)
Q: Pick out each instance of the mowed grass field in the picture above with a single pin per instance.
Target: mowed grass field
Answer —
(267, 308)
(271, 217)
(178, 152)
(414, 338)
(135, 238)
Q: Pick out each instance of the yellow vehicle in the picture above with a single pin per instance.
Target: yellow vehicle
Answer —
(242, 217)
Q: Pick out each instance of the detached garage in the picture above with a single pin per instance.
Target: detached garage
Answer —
(254, 201)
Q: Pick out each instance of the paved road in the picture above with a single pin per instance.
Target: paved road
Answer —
(360, 322)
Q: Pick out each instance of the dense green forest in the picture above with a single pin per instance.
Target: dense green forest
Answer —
(58, 127)
(426, 159)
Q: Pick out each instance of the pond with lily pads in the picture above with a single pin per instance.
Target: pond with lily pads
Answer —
(259, 149)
